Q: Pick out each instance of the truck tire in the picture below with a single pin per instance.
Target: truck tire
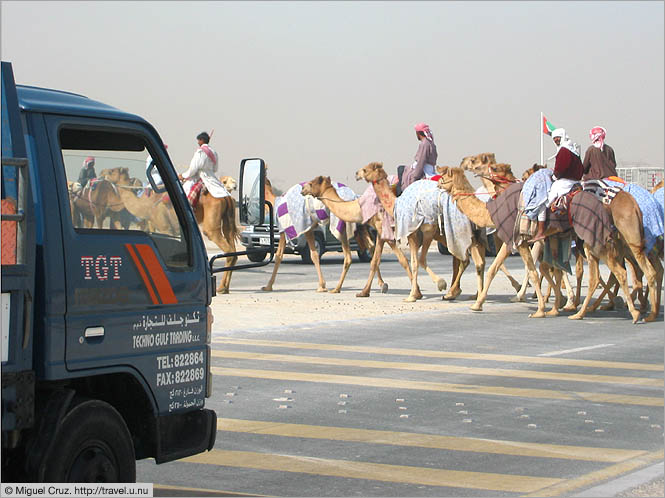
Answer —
(256, 257)
(320, 247)
(92, 444)
(365, 256)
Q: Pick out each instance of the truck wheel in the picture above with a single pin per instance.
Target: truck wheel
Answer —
(92, 444)
(319, 245)
(256, 257)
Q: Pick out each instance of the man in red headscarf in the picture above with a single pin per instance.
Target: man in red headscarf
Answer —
(87, 171)
(599, 161)
(425, 158)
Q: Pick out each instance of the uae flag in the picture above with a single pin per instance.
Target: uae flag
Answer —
(548, 127)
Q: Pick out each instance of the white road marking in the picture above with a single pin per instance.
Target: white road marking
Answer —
(555, 353)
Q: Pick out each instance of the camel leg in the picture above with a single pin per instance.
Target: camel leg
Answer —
(651, 276)
(455, 288)
(413, 248)
(554, 284)
(491, 273)
(536, 251)
(347, 262)
(279, 255)
(226, 246)
(478, 256)
(607, 291)
(516, 285)
(579, 275)
(438, 281)
(405, 264)
(621, 275)
(570, 303)
(658, 267)
(594, 272)
(373, 268)
(535, 280)
(314, 255)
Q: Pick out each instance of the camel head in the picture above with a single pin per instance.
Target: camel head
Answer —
(229, 183)
(453, 180)
(373, 172)
(531, 171)
(502, 171)
(119, 176)
(479, 163)
(317, 186)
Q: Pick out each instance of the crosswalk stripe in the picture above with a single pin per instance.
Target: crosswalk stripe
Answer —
(368, 436)
(374, 471)
(586, 480)
(438, 386)
(424, 367)
(444, 354)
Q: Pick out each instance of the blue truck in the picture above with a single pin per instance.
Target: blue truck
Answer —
(106, 320)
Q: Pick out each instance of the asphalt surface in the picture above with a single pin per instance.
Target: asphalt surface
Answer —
(433, 401)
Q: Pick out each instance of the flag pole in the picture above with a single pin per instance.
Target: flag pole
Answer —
(541, 139)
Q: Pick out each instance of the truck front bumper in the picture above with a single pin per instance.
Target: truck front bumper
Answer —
(185, 434)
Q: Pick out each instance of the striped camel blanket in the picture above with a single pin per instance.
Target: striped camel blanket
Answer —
(504, 210)
(591, 221)
(652, 213)
(297, 214)
(424, 202)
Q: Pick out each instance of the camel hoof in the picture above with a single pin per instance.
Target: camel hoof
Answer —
(441, 284)
(576, 316)
(362, 294)
(321, 289)
(538, 314)
(384, 288)
(453, 294)
(476, 307)
(553, 312)
(266, 289)
(518, 299)
(636, 316)
(570, 307)
(517, 286)
(652, 317)
(223, 291)
(334, 291)
(410, 299)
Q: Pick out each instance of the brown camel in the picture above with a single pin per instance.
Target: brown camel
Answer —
(314, 255)
(158, 216)
(656, 186)
(455, 183)
(349, 211)
(420, 240)
(496, 178)
(91, 206)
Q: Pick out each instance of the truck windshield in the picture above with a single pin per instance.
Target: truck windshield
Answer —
(108, 190)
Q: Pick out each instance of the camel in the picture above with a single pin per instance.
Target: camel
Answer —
(496, 177)
(420, 240)
(314, 255)
(656, 187)
(158, 216)
(349, 211)
(92, 206)
(453, 181)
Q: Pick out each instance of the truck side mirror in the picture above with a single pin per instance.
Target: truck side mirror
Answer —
(251, 191)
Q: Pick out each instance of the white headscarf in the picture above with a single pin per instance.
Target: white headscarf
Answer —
(565, 142)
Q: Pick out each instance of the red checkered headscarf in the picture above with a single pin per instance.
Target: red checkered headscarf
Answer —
(597, 136)
(422, 127)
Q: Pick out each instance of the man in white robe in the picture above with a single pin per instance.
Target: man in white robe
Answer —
(203, 168)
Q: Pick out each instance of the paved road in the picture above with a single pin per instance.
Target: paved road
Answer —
(433, 402)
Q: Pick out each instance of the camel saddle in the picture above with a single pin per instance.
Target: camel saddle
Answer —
(602, 190)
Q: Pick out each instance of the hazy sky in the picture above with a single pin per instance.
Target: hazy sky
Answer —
(326, 87)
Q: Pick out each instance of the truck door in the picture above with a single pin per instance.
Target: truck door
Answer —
(137, 284)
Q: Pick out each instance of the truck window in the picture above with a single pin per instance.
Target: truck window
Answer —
(108, 190)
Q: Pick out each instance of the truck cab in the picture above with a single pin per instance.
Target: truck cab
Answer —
(106, 290)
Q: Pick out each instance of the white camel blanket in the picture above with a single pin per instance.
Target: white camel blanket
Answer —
(423, 202)
(297, 214)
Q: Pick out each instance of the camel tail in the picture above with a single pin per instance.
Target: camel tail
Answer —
(229, 227)
(363, 237)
